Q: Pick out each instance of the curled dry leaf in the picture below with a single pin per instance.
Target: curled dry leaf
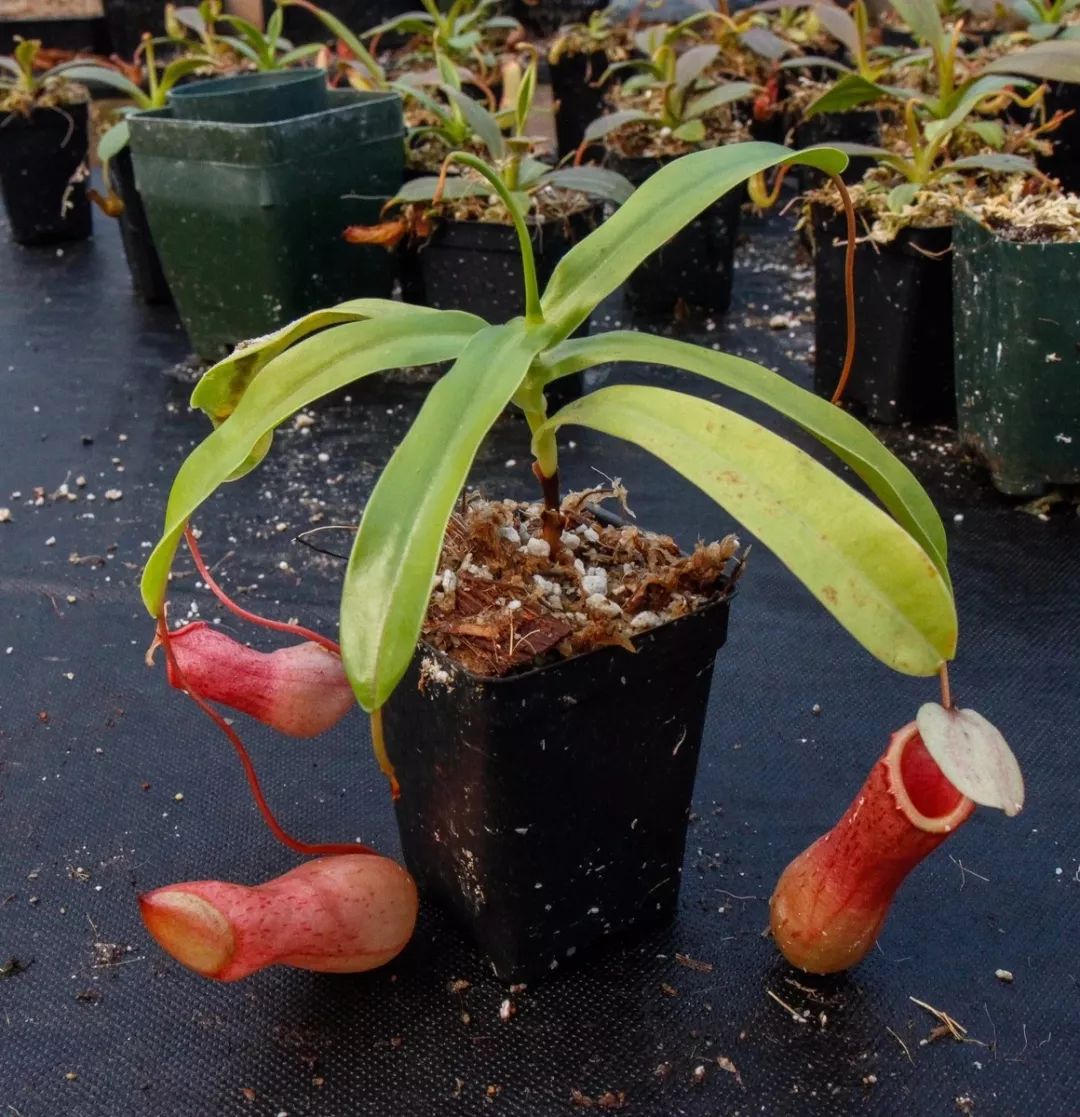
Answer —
(973, 756)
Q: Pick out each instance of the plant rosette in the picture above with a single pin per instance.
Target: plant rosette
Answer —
(635, 129)
(600, 35)
(24, 88)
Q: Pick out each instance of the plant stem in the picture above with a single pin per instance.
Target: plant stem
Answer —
(533, 313)
(849, 288)
(946, 690)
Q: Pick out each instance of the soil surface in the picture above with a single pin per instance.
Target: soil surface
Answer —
(506, 600)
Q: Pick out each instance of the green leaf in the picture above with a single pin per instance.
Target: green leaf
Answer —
(693, 63)
(991, 132)
(658, 209)
(963, 104)
(482, 123)
(1057, 60)
(846, 93)
(602, 125)
(91, 74)
(997, 162)
(423, 190)
(717, 96)
(597, 182)
(885, 475)
(275, 24)
(180, 68)
(113, 141)
(924, 19)
(902, 195)
(691, 132)
(765, 43)
(343, 32)
(840, 26)
(859, 563)
(221, 387)
(292, 380)
(396, 551)
(300, 53)
(804, 61)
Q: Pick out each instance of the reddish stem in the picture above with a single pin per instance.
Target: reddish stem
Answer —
(245, 614)
(849, 288)
(297, 846)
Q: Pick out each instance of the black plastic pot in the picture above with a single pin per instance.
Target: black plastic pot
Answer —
(89, 35)
(128, 19)
(476, 266)
(40, 157)
(548, 810)
(1064, 163)
(544, 17)
(1017, 361)
(578, 99)
(696, 265)
(247, 218)
(147, 277)
(903, 369)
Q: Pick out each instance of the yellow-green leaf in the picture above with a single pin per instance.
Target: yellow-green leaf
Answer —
(858, 562)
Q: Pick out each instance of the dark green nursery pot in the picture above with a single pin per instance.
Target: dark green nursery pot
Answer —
(248, 217)
(1017, 356)
(252, 98)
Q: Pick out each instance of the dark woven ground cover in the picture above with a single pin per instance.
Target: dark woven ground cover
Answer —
(94, 748)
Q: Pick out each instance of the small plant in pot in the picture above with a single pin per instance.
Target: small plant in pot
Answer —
(470, 32)
(552, 596)
(43, 149)
(460, 249)
(197, 32)
(668, 108)
(950, 137)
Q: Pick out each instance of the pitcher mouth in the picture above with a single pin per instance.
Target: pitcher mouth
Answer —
(927, 799)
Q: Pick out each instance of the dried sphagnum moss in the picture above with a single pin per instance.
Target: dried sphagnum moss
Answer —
(934, 206)
(1032, 218)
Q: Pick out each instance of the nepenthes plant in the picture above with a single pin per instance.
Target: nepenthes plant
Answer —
(877, 563)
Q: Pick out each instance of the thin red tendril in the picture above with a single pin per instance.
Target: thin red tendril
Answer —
(244, 614)
(305, 849)
(849, 288)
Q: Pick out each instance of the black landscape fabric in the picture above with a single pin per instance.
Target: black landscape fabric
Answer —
(111, 783)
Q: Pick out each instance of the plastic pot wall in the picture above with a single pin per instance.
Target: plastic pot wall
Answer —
(147, 277)
(247, 218)
(39, 155)
(476, 265)
(548, 811)
(695, 267)
(903, 369)
(578, 100)
(1017, 362)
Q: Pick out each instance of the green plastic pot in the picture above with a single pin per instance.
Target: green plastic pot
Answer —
(1017, 362)
(248, 218)
(252, 98)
